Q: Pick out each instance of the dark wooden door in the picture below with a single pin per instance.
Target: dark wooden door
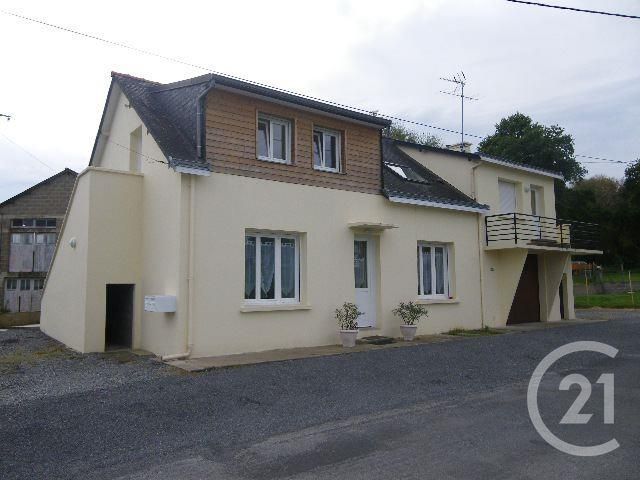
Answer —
(526, 302)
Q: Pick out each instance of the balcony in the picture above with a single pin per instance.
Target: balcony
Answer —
(520, 230)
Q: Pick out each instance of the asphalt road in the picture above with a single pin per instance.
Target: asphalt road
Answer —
(448, 410)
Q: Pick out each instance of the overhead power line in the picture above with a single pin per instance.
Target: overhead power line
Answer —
(27, 152)
(560, 7)
(209, 70)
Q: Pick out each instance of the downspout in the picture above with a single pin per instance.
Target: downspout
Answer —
(188, 334)
(474, 186)
(200, 142)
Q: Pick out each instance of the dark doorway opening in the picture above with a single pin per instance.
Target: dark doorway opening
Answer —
(526, 302)
(119, 316)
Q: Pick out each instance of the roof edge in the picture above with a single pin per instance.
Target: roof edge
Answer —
(39, 184)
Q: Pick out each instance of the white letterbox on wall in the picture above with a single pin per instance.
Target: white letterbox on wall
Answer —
(160, 303)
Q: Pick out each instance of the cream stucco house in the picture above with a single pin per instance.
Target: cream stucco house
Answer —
(218, 216)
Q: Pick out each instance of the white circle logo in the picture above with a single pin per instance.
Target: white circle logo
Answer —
(573, 415)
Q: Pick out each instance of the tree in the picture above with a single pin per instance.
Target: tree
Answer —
(596, 200)
(404, 134)
(519, 138)
(629, 215)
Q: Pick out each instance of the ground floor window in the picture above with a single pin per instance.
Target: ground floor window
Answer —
(433, 270)
(271, 268)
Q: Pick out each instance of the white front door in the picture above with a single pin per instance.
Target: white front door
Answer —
(365, 275)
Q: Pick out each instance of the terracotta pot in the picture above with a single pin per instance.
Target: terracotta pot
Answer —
(348, 338)
(408, 332)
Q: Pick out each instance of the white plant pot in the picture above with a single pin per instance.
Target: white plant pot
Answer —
(348, 338)
(408, 332)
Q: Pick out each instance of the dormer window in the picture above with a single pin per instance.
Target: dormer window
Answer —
(274, 139)
(405, 172)
(326, 150)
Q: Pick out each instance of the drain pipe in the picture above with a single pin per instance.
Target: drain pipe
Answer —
(200, 130)
(188, 334)
(474, 186)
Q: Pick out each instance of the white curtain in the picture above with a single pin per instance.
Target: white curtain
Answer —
(439, 251)
(267, 267)
(288, 267)
(426, 270)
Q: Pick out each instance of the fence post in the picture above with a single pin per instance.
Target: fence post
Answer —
(486, 230)
(515, 228)
(633, 303)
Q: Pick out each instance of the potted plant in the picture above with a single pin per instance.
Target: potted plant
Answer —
(347, 317)
(410, 313)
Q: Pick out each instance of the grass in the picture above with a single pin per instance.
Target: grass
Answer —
(480, 332)
(608, 300)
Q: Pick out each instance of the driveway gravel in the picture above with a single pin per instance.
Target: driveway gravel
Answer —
(65, 415)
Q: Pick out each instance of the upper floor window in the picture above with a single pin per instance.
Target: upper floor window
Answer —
(433, 270)
(326, 150)
(33, 222)
(12, 283)
(274, 139)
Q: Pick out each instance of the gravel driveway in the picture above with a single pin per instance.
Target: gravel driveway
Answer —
(65, 415)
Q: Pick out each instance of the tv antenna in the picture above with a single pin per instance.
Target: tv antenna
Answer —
(460, 81)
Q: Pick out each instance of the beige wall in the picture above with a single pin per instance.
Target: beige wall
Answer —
(322, 216)
(104, 219)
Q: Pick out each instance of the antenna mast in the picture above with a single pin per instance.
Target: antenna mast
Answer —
(460, 81)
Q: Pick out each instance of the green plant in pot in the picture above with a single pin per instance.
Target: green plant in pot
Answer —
(347, 317)
(410, 313)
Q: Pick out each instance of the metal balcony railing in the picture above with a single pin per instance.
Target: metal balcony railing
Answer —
(524, 229)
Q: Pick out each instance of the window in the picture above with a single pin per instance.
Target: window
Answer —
(433, 270)
(405, 172)
(271, 269)
(22, 238)
(45, 238)
(34, 222)
(326, 150)
(38, 283)
(135, 150)
(12, 283)
(25, 284)
(274, 139)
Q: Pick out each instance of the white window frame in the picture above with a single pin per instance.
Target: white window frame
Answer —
(278, 300)
(274, 121)
(38, 284)
(11, 284)
(46, 237)
(447, 273)
(25, 282)
(331, 133)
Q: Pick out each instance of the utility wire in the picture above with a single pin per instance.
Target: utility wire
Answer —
(27, 152)
(209, 70)
(559, 7)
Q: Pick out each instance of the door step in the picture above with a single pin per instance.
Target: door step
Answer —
(378, 340)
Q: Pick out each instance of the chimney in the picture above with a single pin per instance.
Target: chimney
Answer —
(461, 147)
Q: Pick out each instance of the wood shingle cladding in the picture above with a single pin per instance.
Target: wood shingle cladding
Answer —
(231, 144)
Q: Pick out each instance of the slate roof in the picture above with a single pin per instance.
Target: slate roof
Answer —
(435, 189)
(169, 110)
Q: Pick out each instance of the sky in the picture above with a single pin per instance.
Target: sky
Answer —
(576, 70)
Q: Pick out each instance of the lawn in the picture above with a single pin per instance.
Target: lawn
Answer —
(610, 300)
(480, 332)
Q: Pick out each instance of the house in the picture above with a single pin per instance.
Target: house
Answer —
(218, 216)
(29, 226)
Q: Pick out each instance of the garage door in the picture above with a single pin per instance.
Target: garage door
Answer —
(526, 302)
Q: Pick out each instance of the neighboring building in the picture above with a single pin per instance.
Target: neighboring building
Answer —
(254, 213)
(29, 226)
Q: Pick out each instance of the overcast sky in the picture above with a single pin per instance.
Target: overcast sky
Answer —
(578, 70)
